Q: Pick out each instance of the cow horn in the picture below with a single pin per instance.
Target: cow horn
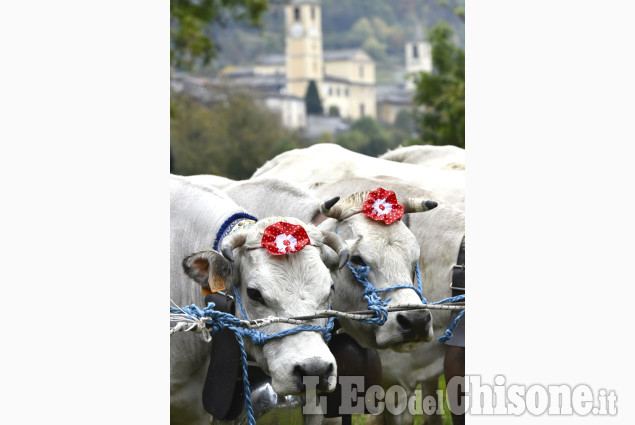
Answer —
(415, 205)
(327, 208)
(337, 244)
(232, 242)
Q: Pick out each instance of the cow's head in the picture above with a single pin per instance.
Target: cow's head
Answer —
(294, 284)
(392, 252)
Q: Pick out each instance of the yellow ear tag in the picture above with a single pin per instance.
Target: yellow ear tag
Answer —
(216, 283)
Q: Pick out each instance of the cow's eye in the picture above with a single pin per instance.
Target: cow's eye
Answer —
(255, 295)
(357, 260)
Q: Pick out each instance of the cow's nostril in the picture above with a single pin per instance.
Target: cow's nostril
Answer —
(319, 370)
(322, 371)
(299, 371)
(404, 322)
(415, 326)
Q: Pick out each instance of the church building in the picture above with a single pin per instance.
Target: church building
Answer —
(345, 79)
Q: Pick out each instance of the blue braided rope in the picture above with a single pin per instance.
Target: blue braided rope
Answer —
(451, 299)
(448, 332)
(219, 320)
(259, 338)
(227, 225)
(239, 301)
(246, 387)
(375, 303)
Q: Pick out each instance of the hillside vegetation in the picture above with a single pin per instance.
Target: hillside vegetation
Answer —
(381, 27)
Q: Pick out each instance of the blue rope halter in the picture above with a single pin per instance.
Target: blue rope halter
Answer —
(219, 320)
(378, 305)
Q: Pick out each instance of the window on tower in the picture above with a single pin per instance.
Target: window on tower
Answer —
(296, 14)
(313, 13)
(415, 51)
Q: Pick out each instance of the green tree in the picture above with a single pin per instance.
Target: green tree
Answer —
(312, 100)
(366, 136)
(374, 48)
(361, 30)
(334, 111)
(231, 138)
(191, 40)
(441, 92)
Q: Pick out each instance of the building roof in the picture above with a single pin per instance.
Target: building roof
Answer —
(333, 79)
(345, 54)
(316, 125)
(262, 83)
(394, 94)
(235, 72)
(283, 96)
(201, 89)
(273, 59)
(298, 2)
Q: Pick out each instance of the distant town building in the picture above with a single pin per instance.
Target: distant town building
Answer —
(394, 98)
(345, 79)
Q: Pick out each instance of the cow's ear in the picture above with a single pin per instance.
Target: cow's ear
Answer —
(206, 267)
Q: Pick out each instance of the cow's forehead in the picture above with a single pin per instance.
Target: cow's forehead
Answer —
(374, 238)
(294, 266)
(360, 225)
(300, 274)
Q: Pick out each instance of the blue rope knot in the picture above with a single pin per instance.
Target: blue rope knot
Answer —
(217, 319)
(448, 332)
(375, 303)
(257, 337)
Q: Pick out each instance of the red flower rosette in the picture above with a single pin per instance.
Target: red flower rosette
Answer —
(382, 205)
(282, 238)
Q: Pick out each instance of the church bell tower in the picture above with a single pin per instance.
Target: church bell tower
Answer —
(303, 46)
(418, 57)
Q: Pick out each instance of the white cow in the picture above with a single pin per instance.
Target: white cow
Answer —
(285, 285)
(330, 162)
(211, 180)
(443, 157)
(438, 234)
(391, 252)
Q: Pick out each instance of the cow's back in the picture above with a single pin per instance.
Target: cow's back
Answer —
(330, 162)
(446, 157)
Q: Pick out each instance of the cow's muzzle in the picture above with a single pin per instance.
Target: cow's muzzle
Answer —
(415, 326)
(322, 370)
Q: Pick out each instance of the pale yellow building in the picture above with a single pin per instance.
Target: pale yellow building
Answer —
(345, 78)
